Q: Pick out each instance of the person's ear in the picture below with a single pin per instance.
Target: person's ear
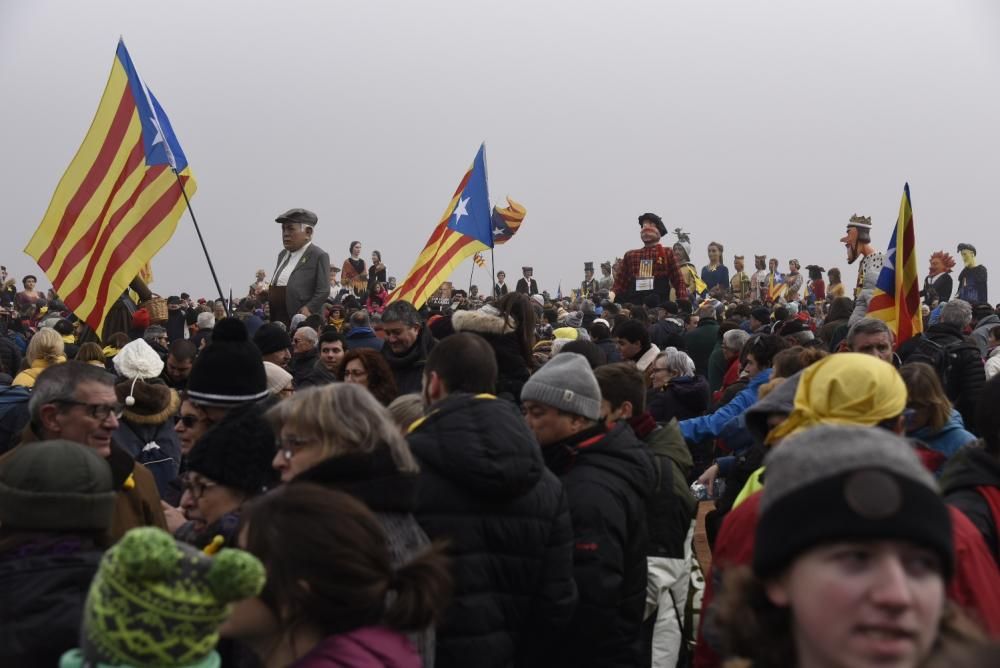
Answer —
(777, 592)
(627, 410)
(48, 417)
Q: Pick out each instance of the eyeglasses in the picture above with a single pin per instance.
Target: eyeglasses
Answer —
(657, 369)
(196, 486)
(289, 445)
(96, 411)
(189, 421)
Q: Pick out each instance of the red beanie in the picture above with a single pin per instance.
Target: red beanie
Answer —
(140, 319)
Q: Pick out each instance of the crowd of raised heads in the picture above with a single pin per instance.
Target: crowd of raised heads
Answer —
(661, 468)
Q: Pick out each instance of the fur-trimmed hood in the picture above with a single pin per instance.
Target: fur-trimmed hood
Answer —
(486, 320)
(154, 401)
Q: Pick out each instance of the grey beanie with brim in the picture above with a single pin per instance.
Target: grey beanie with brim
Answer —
(56, 485)
(567, 383)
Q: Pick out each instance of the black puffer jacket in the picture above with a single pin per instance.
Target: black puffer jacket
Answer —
(969, 468)
(485, 489)
(968, 374)
(408, 368)
(683, 398)
(608, 476)
(41, 603)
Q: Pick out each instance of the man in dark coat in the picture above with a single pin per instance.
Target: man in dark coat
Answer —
(361, 334)
(966, 375)
(485, 489)
(608, 475)
(301, 277)
(408, 342)
(699, 342)
(527, 284)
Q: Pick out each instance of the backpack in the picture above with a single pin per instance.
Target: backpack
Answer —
(942, 358)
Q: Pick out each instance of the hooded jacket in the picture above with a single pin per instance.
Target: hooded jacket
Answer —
(948, 439)
(408, 368)
(967, 378)
(484, 488)
(608, 477)
(512, 368)
(968, 470)
(682, 398)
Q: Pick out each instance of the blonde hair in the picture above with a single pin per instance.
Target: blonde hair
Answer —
(47, 345)
(346, 419)
(406, 409)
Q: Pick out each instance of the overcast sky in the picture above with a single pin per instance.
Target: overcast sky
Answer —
(762, 125)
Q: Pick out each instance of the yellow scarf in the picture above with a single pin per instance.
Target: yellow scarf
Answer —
(846, 389)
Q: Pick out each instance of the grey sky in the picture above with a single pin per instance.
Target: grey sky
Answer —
(762, 125)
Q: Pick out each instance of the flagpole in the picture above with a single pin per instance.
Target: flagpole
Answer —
(493, 275)
(197, 229)
(471, 273)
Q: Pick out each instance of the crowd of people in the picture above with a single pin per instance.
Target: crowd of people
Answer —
(319, 475)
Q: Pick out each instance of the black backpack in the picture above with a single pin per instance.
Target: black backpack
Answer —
(941, 357)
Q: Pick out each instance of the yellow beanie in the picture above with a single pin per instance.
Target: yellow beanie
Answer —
(844, 389)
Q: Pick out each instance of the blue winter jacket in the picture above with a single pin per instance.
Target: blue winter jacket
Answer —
(698, 429)
(949, 439)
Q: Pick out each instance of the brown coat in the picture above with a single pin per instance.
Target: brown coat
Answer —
(138, 501)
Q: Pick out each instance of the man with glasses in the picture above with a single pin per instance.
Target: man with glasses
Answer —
(76, 401)
(156, 337)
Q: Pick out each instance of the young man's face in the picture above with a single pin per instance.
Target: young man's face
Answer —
(332, 354)
(628, 349)
(501, 277)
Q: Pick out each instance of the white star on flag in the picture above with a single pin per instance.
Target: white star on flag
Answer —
(460, 209)
(497, 231)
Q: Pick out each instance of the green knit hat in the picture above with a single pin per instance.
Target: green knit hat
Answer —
(159, 602)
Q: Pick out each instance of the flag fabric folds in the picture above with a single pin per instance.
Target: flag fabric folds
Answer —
(479, 260)
(507, 221)
(896, 299)
(464, 230)
(118, 202)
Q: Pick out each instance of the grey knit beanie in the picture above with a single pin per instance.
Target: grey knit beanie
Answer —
(56, 485)
(566, 382)
(846, 483)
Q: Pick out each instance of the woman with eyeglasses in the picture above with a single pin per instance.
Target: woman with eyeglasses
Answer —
(675, 390)
(338, 436)
(367, 367)
(228, 466)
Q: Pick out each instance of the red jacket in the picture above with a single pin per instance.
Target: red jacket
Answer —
(975, 586)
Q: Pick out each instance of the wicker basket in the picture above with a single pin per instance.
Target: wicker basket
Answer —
(157, 307)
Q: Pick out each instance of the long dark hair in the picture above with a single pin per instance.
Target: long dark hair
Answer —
(516, 307)
(328, 564)
(381, 382)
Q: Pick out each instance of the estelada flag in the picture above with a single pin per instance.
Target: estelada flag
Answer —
(507, 221)
(118, 202)
(464, 230)
(896, 299)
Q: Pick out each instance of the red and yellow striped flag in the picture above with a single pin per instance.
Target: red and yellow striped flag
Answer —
(896, 300)
(118, 202)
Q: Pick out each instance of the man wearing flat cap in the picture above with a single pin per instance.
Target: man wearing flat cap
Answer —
(301, 281)
(651, 269)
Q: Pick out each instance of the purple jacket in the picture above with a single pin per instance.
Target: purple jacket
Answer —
(369, 647)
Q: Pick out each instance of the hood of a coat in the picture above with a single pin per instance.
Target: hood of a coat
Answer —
(780, 400)
(970, 467)
(480, 443)
(486, 320)
(954, 423)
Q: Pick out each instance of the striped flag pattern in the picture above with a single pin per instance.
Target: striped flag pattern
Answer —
(464, 230)
(896, 300)
(119, 201)
(506, 221)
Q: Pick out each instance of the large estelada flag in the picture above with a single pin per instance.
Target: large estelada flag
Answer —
(896, 300)
(464, 230)
(118, 202)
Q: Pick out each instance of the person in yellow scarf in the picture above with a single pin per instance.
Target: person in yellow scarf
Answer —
(45, 349)
(842, 389)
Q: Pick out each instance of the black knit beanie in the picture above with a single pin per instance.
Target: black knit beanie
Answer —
(230, 370)
(831, 483)
(270, 338)
(237, 452)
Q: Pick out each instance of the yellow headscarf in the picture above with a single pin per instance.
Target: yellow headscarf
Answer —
(845, 388)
